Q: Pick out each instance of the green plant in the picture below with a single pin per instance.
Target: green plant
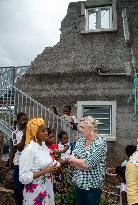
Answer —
(103, 201)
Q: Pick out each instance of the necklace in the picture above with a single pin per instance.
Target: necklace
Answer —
(87, 143)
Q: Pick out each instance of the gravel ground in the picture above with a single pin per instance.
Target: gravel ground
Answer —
(7, 198)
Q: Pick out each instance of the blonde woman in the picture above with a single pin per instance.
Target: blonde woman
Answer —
(88, 161)
(36, 166)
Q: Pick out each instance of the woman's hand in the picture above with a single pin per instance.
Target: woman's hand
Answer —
(71, 159)
(77, 163)
(50, 169)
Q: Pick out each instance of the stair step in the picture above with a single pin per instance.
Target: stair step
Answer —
(7, 101)
(7, 96)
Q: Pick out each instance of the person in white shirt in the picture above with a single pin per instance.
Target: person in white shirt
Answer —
(63, 146)
(36, 166)
(18, 139)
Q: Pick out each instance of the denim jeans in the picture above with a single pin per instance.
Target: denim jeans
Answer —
(18, 187)
(88, 197)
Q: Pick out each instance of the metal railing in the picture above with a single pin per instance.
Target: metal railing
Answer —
(11, 74)
(13, 101)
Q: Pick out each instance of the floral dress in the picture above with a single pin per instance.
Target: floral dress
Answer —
(36, 191)
(64, 192)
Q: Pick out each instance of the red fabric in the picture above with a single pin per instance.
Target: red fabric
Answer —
(52, 147)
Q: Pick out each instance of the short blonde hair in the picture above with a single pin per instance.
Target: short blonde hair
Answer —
(91, 122)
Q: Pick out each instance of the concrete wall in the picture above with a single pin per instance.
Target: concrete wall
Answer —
(67, 72)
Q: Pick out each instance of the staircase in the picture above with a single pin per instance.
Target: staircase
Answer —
(13, 101)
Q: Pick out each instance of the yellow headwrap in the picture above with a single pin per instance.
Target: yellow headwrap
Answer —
(32, 128)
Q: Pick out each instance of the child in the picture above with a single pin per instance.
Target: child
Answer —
(120, 171)
(63, 146)
(129, 150)
(60, 183)
(67, 115)
(49, 141)
(59, 192)
(65, 150)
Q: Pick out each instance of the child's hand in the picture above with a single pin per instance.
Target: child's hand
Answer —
(62, 162)
(71, 120)
(56, 151)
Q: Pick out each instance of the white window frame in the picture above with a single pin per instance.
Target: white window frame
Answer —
(82, 104)
(98, 18)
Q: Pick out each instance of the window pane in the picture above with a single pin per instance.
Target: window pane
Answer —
(92, 19)
(102, 114)
(103, 132)
(105, 18)
(99, 18)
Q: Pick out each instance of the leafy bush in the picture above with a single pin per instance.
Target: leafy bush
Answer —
(103, 201)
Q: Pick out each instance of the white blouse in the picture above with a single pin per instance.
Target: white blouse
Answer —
(33, 158)
(16, 141)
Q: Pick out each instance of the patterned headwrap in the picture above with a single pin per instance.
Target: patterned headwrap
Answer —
(32, 128)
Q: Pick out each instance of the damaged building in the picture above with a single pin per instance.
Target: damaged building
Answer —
(92, 69)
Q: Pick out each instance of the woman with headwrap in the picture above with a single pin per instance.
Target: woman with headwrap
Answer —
(36, 166)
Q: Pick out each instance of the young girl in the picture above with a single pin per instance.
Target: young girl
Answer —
(63, 146)
(61, 185)
(120, 171)
(36, 166)
(65, 150)
(55, 154)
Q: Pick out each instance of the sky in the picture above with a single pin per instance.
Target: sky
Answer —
(27, 27)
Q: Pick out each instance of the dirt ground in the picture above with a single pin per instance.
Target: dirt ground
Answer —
(6, 198)
(6, 188)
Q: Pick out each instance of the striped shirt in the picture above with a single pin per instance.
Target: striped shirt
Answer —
(94, 157)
